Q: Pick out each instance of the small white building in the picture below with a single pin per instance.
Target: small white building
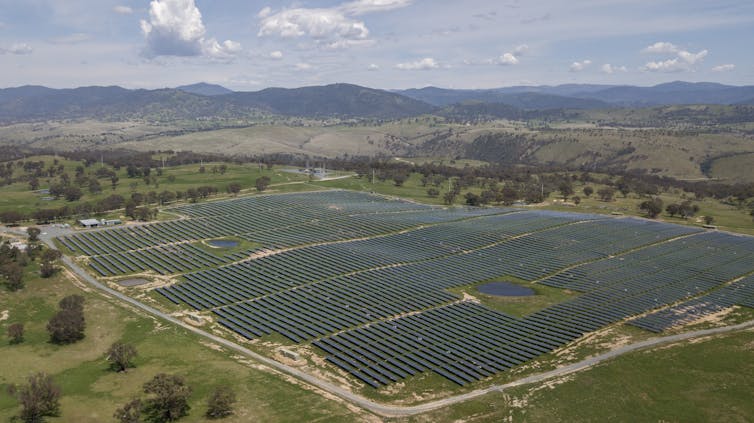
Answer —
(89, 223)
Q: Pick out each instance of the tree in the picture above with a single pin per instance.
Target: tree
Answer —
(508, 195)
(234, 188)
(16, 333)
(433, 192)
(14, 276)
(120, 356)
(49, 257)
(72, 194)
(262, 183)
(566, 189)
(652, 207)
(72, 302)
(33, 233)
(220, 403)
(673, 209)
(472, 199)
(39, 398)
(399, 178)
(623, 187)
(588, 191)
(606, 194)
(68, 324)
(708, 220)
(130, 412)
(576, 200)
(449, 197)
(168, 399)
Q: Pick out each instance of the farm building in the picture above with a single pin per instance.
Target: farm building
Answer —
(89, 223)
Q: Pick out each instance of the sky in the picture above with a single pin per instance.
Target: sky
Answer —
(249, 45)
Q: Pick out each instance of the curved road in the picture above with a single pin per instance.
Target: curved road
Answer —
(377, 408)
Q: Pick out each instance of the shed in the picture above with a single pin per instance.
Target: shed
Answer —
(89, 223)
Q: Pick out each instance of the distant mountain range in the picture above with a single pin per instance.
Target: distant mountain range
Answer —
(31, 103)
(563, 96)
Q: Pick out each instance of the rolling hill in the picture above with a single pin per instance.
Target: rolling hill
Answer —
(34, 103)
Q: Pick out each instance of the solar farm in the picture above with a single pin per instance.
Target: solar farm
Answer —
(369, 281)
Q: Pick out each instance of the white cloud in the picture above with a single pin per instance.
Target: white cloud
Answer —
(175, 28)
(18, 49)
(373, 67)
(304, 66)
(361, 7)
(724, 68)
(580, 66)
(123, 10)
(661, 47)
(426, 63)
(508, 59)
(611, 69)
(333, 27)
(276, 55)
(315, 23)
(692, 58)
(683, 60)
(264, 12)
(670, 65)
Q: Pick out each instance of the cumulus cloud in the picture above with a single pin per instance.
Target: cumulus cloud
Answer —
(123, 10)
(611, 69)
(580, 66)
(426, 63)
(276, 55)
(18, 49)
(315, 23)
(692, 58)
(683, 60)
(724, 68)
(333, 27)
(661, 47)
(373, 67)
(175, 28)
(508, 59)
(304, 66)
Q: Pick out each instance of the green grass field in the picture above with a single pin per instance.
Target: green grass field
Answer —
(706, 380)
(91, 392)
(18, 196)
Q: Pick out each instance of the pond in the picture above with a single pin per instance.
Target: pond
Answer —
(133, 282)
(223, 243)
(505, 289)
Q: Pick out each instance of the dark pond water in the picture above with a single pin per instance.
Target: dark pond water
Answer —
(505, 289)
(133, 282)
(223, 243)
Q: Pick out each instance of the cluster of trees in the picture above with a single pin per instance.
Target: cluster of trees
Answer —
(13, 260)
(166, 400)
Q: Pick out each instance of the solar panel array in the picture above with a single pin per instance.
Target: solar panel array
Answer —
(366, 278)
(737, 293)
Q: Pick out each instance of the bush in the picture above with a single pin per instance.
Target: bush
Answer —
(16, 333)
(220, 403)
(39, 398)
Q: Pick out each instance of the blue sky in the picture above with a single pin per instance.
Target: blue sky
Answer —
(250, 45)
